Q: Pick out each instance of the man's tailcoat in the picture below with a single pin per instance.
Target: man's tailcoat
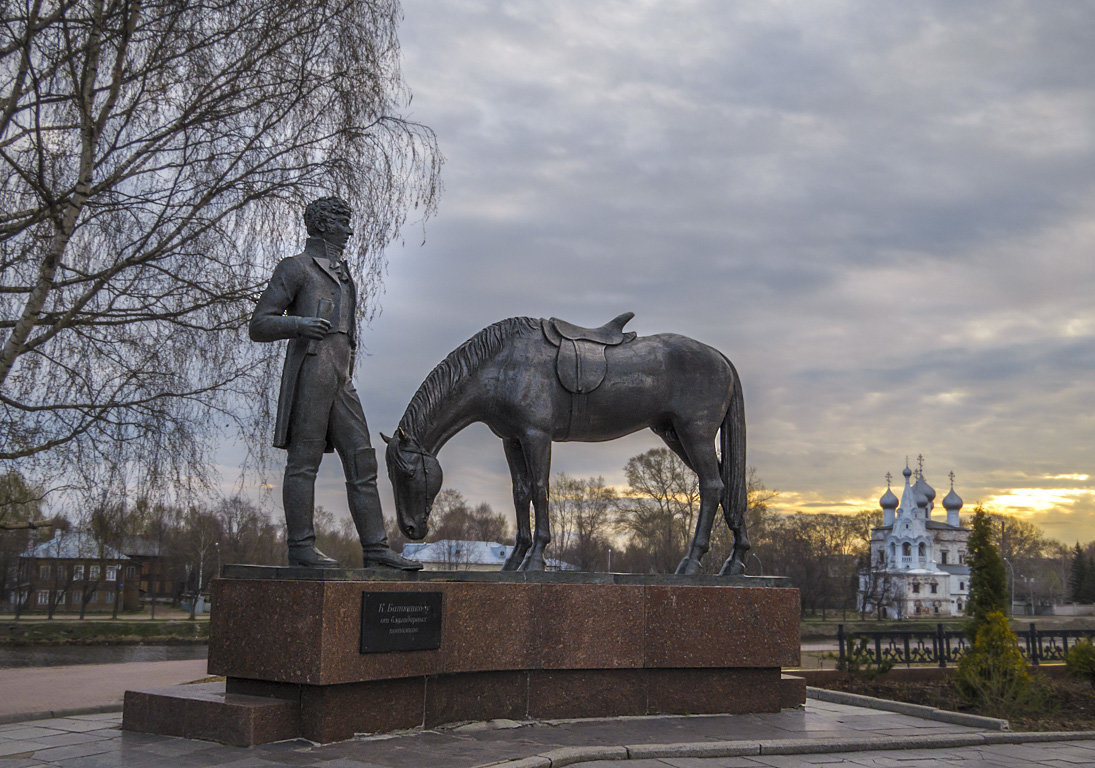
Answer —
(295, 290)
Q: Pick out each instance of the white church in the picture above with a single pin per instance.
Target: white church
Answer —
(918, 564)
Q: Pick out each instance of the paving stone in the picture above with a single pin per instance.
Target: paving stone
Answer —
(64, 739)
(70, 724)
(708, 762)
(18, 747)
(73, 750)
(642, 763)
(24, 732)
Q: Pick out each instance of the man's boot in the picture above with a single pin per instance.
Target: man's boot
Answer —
(298, 498)
(368, 519)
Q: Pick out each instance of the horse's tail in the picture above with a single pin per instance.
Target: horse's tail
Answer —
(732, 466)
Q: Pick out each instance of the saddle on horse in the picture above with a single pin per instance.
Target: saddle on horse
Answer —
(580, 362)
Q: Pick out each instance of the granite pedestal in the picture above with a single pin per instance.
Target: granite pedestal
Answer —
(510, 645)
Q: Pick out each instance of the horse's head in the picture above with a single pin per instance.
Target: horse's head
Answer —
(416, 480)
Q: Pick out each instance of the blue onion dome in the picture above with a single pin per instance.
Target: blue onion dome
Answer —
(888, 500)
(952, 501)
(919, 499)
(906, 472)
(923, 489)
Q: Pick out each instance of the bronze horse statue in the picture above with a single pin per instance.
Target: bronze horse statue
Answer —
(534, 381)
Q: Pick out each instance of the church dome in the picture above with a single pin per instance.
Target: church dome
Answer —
(888, 500)
(952, 501)
(923, 489)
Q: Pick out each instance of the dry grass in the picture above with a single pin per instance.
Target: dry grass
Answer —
(1054, 705)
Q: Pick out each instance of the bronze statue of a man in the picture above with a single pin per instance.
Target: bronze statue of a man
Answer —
(311, 300)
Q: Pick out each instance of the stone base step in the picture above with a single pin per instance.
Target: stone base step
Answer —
(205, 711)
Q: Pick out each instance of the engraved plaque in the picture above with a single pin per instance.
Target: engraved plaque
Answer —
(400, 621)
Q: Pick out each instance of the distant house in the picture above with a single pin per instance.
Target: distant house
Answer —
(155, 579)
(73, 570)
(461, 555)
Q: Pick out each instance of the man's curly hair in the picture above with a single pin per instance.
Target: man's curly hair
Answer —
(321, 210)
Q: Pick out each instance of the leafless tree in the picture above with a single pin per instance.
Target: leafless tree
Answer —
(660, 505)
(154, 160)
(20, 503)
(877, 588)
(248, 532)
(197, 539)
(582, 515)
(454, 518)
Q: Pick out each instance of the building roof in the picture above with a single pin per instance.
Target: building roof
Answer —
(956, 570)
(463, 552)
(73, 545)
(940, 525)
(141, 546)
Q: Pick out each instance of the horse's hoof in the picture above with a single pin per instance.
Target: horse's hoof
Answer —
(732, 567)
(532, 563)
(688, 567)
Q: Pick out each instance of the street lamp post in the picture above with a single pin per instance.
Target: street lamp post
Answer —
(1011, 586)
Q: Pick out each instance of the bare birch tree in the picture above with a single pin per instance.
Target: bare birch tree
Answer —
(155, 156)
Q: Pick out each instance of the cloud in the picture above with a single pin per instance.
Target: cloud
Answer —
(883, 214)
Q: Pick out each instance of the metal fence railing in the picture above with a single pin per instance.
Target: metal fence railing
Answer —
(942, 646)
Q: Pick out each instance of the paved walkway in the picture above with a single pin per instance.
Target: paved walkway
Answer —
(822, 733)
(33, 691)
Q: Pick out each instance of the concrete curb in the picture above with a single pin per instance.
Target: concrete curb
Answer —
(913, 710)
(557, 758)
(50, 714)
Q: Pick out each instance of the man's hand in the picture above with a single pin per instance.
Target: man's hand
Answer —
(313, 327)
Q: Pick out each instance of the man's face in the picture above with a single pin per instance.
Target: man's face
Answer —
(335, 229)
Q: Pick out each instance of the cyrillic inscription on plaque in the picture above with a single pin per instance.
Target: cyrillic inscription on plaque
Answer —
(400, 621)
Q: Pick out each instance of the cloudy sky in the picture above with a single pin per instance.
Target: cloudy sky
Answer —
(883, 213)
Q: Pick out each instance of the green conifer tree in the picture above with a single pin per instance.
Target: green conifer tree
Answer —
(988, 581)
(1077, 578)
(1087, 588)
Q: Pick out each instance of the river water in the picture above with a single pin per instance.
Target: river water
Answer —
(66, 655)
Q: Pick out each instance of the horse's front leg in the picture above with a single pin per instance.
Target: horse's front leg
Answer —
(706, 463)
(537, 451)
(522, 497)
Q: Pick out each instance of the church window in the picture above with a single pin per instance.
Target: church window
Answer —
(961, 586)
(906, 549)
(922, 551)
(916, 589)
(961, 558)
(935, 588)
(943, 555)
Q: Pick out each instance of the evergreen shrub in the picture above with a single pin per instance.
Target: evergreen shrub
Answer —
(1080, 661)
(859, 662)
(993, 674)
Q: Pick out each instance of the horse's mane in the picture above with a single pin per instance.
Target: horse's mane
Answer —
(461, 362)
